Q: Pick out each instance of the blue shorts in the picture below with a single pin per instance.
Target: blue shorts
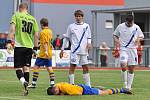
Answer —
(88, 90)
(43, 62)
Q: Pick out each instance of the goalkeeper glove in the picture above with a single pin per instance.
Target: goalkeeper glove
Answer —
(35, 50)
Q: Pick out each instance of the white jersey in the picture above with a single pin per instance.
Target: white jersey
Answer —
(78, 40)
(125, 33)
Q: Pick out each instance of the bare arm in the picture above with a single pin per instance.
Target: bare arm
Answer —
(89, 45)
(12, 30)
(63, 46)
(36, 39)
(116, 40)
(46, 48)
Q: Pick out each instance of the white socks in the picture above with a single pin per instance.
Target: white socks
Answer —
(33, 82)
(71, 78)
(127, 79)
(52, 82)
(130, 80)
(86, 78)
(22, 80)
(124, 78)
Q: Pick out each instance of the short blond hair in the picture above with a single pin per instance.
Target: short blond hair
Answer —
(23, 6)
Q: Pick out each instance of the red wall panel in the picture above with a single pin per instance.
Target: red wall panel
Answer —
(83, 2)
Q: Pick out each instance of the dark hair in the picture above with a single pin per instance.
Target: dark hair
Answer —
(50, 91)
(23, 5)
(129, 17)
(8, 41)
(79, 12)
(44, 21)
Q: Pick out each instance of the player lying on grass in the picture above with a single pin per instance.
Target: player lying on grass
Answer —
(64, 88)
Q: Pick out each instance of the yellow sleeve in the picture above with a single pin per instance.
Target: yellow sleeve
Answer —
(51, 35)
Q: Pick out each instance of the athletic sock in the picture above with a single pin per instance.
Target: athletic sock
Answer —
(26, 76)
(71, 78)
(35, 76)
(86, 78)
(130, 80)
(20, 76)
(115, 91)
(124, 78)
(52, 77)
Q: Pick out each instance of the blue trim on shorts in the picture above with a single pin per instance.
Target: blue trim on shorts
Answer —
(87, 90)
(43, 62)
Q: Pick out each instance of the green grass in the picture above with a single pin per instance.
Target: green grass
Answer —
(11, 88)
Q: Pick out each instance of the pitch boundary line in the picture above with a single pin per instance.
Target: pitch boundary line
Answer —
(13, 98)
(80, 68)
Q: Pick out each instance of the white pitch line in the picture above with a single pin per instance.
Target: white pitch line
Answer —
(12, 98)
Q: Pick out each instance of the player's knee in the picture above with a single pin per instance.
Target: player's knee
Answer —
(131, 70)
(71, 71)
(49, 69)
(36, 67)
(26, 69)
(85, 70)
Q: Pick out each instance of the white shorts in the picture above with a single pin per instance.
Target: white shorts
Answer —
(129, 56)
(79, 59)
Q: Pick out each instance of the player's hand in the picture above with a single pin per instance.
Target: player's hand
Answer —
(61, 54)
(137, 41)
(35, 51)
(46, 53)
(89, 46)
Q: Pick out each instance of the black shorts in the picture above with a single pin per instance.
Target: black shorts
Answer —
(22, 57)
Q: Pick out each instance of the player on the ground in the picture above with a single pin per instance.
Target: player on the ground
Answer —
(45, 54)
(127, 35)
(25, 28)
(64, 88)
(79, 34)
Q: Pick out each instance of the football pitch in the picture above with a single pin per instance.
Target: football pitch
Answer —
(11, 88)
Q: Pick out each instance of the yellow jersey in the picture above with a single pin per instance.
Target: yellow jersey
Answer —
(45, 37)
(69, 89)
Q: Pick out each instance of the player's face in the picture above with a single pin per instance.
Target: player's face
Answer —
(129, 24)
(79, 18)
(56, 91)
(42, 26)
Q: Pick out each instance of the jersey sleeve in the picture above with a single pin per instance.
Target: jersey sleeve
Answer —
(67, 35)
(140, 33)
(116, 32)
(13, 19)
(50, 35)
(89, 34)
(35, 26)
(69, 89)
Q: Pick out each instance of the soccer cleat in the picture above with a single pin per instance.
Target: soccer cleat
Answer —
(25, 88)
(32, 86)
(127, 91)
